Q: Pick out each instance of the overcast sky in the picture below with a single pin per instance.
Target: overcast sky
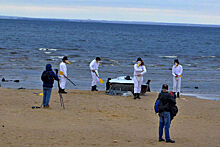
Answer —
(173, 11)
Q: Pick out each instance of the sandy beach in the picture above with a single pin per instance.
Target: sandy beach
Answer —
(96, 119)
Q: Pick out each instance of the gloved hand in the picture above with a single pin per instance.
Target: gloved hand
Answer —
(56, 70)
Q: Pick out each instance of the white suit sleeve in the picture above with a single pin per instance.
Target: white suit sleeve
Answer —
(143, 72)
(173, 71)
(91, 65)
(137, 69)
(63, 69)
(181, 70)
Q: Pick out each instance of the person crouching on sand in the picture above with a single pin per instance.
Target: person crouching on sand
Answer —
(94, 66)
(48, 77)
(139, 71)
(177, 72)
(166, 100)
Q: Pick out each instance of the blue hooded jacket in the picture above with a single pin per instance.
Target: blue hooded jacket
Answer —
(49, 84)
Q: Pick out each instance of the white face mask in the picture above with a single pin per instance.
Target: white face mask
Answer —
(139, 63)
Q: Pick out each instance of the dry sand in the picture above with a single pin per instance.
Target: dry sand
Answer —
(96, 119)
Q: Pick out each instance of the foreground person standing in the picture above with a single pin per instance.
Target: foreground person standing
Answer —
(164, 107)
(94, 66)
(48, 77)
(139, 71)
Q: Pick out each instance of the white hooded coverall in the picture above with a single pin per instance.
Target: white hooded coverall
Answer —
(138, 80)
(63, 68)
(177, 80)
(94, 65)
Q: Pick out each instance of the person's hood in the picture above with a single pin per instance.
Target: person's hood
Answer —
(48, 67)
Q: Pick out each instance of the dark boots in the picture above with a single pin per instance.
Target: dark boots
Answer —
(137, 95)
(94, 88)
(178, 95)
(62, 91)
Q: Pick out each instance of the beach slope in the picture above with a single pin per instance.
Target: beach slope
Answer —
(96, 119)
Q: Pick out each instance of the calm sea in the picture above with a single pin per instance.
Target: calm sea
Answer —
(26, 46)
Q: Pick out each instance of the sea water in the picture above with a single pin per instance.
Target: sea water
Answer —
(26, 46)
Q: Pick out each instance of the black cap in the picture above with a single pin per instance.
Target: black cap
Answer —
(65, 58)
(139, 59)
(98, 59)
(176, 61)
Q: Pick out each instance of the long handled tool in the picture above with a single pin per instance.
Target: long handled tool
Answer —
(100, 80)
(60, 94)
(61, 73)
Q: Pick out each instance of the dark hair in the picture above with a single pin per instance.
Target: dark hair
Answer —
(165, 86)
(65, 58)
(98, 59)
(142, 62)
(176, 61)
(139, 59)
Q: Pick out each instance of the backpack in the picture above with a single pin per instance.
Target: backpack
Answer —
(45, 76)
(156, 105)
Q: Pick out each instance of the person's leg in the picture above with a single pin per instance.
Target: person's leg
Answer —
(62, 82)
(174, 84)
(161, 126)
(179, 86)
(94, 81)
(49, 90)
(139, 87)
(135, 87)
(44, 96)
(167, 125)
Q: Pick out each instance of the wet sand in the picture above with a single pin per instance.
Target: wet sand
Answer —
(96, 119)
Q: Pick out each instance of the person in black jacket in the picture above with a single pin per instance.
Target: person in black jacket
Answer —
(48, 77)
(166, 101)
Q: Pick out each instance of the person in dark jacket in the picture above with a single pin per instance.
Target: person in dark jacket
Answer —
(166, 101)
(48, 77)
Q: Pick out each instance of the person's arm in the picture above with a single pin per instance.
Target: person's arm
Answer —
(42, 75)
(137, 69)
(63, 69)
(55, 76)
(181, 70)
(144, 70)
(91, 65)
(171, 100)
(158, 96)
(173, 73)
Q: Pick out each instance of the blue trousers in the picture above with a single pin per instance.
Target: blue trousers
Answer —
(164, 123)
(46, 96)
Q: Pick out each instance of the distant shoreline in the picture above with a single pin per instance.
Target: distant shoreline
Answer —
(111, 22)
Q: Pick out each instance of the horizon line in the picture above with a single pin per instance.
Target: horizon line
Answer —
(110, 21)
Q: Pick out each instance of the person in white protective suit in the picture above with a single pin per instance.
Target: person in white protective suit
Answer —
(64, 77)
(177, 72)
(94, 65)
(139, 71)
